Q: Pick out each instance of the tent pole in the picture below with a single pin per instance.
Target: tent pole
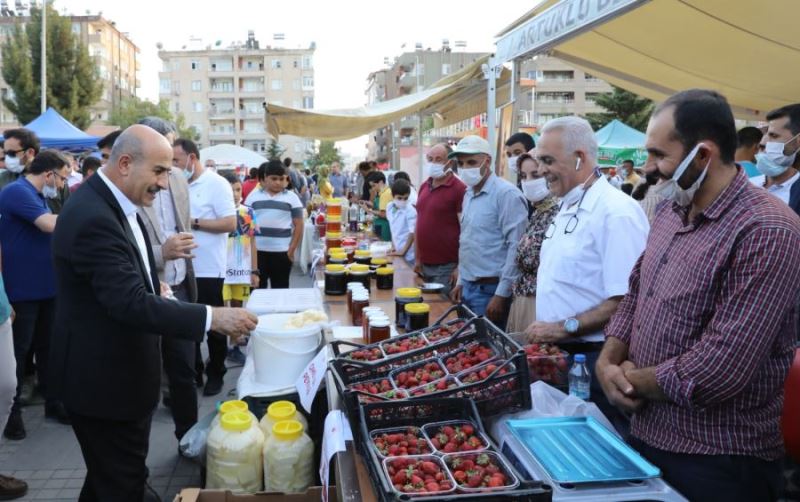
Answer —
(44, 57)
(491, 108)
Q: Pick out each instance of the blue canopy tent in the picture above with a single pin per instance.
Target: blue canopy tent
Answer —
(56, 132)
(617, 142)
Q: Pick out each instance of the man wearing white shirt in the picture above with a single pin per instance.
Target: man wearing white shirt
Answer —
(589, 249)
(213, 217)
(778, 160)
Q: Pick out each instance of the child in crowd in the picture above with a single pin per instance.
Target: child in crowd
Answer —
(242, 270)
(402, 218)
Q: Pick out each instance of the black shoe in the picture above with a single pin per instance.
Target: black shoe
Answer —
(213, 386)
(56, 411)
(15, 428)
(12, 488)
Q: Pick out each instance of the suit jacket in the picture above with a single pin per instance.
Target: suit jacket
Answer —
(179, 190)
(794, 197)
(105, 356)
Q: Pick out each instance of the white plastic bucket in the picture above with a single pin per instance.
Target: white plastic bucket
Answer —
(280, 355)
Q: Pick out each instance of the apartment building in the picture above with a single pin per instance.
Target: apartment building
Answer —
(222, 91)
(116, 56)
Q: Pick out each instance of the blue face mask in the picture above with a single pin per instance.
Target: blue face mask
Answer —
(186, 173)
(769, 167)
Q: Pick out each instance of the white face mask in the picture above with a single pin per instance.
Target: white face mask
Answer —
(672, 190)
(435, 170)
(471, 176)
(535, 190)
(49, 192)
(13, 164)
(773, 158)
(512, 163)
(400, 204)
(186, 172)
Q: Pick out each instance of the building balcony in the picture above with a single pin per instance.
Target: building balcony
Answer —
(220, 93)
(253, 134)
(225, 134)
(226, 72)
(251, 72)
(251, 113)
(253, 91)
(222, 114)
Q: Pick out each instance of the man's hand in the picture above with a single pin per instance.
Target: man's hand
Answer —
(454, 276)
(617, 388)
(290, 254)
(546, 332)
(178, 246)
(455, 294)
(496, 308)
(418, 269)
(233, 322)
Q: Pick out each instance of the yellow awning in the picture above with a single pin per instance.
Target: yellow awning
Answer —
(747, 51)
(454, 98)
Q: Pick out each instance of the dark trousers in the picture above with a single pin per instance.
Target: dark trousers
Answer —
(731, 478)
(114, 453)
(33, 329)
(275, 268)
(209, 292)
(178, 356)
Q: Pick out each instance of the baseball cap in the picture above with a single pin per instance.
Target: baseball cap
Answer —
(471, 145)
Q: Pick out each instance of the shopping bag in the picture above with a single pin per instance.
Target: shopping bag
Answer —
(193, 443)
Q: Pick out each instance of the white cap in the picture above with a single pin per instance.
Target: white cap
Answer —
(470, 145)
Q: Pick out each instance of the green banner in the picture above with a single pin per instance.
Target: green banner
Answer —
(615, 156)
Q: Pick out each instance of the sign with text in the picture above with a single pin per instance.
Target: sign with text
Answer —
(553, 25)
(337, 433)
(311, 378)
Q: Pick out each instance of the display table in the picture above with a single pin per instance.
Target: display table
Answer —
(305, 251)
(352, 480)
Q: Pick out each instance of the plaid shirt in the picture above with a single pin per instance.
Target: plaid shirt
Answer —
(713, 306)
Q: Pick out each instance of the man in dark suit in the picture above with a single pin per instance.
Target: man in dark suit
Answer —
(106, 357)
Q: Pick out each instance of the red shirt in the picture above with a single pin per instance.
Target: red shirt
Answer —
(248, 187)
(712, 305)
(438, 228)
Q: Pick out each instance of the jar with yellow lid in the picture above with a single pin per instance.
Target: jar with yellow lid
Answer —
(288, 458)
(333, 240)
(231, 405)
(335, 279)
(360, 273)
(377, 263)
(363, 256)
(233, 454)
(417, 315)
(337, 258)
(384, 278)
(278, 411)
(402, 297)
(333, 207)
(333, 224)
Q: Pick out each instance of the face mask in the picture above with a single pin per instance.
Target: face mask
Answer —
(49, 192)
(773, 151)
(512, 163)
(186, 173)
(684, 196)
(623, 173)
(13, 164)
(535, 190)
(471, 176)
(768, 167)
(400, 204)
(434, 170)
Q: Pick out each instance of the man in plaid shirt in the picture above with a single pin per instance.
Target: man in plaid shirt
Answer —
(699, 348)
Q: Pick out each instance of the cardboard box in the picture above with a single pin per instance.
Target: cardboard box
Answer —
(313, 494)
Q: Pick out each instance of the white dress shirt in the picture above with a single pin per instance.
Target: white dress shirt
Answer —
(129, 210)
(581, 269)
(783, 191)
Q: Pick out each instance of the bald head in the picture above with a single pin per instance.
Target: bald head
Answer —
(139, 164)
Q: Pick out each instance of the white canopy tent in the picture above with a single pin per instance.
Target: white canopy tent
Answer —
(231, 156)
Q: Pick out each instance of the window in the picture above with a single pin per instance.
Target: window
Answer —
(307, 63)
(421, 69)
(176, 65)
(590, 78)
(176, 86)
(276, 84)
(558, 76)
(445, 68)
(296, 84)
(296, 63)
(297, 104)
(177, 107)
(197, 107)
(76, 28)
(308, 82)
(308, 102)
(531, 74)
(197, 85)
(276, 64)
(555, 97)
(195, 65)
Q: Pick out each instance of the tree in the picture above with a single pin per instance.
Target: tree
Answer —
(133, 109)
(274, 150)
(73, 82)
(624, 106)
(326, 153)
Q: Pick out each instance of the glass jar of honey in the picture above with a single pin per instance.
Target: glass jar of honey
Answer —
(338, 258)
(351, 287)
(404, 296)
(360, 300)
(366, 313)
(333, 240)
(363, 256)
(333, 224)
(360, 273)
(376, 263)
(417, 316)
(379, 330)
(333, 207)
(385, 278)
(335, 280)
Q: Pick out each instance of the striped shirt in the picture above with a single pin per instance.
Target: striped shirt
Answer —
(713, 306)
(274, 214)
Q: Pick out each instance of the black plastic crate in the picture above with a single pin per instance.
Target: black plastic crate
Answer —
(497, 394)
(420, 412)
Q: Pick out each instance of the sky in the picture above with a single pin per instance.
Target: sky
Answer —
(352, 37)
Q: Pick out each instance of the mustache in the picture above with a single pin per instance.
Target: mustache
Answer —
(652, 178)
(154, 190)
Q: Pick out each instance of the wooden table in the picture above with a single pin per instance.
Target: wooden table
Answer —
(352, 479)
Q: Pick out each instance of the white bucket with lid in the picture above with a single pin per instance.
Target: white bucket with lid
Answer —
(281, 354)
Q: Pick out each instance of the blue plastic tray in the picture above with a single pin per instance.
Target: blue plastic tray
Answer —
(580, 450)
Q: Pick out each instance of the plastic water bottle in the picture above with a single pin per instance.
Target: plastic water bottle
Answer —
(579, 378)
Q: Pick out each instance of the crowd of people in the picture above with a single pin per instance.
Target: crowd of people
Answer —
(679, 282)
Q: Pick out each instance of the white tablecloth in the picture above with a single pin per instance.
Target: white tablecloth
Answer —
(305, 252)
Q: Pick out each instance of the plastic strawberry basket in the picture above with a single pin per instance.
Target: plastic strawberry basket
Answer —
(419, 412)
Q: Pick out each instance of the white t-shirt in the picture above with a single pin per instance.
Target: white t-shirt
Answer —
(274, 214)
(402, 223)
(581, 269)
(210, 198)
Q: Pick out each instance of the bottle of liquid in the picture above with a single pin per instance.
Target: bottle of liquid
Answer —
(353, 217)
(579, 378)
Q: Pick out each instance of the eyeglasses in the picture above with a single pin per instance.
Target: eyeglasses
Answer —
(62, 178)
(13, 153)
(572, 222)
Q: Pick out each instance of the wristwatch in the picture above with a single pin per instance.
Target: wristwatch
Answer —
(572, 326)
(196, 224)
